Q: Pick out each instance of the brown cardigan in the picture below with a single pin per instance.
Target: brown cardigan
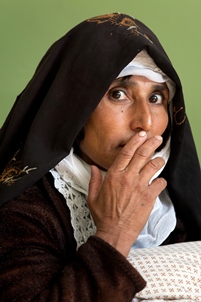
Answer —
(39, 261)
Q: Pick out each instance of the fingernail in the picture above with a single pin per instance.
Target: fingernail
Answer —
(142, 133)
(158, 137)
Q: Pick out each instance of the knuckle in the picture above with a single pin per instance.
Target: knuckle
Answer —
(161, 182)
(154, 189)
(156, 163)
(148, 147)
(131, 147)
(148, 196)
(158, 185)
(155, 142)
(126, 181)
(127, 152)
(110, 178)
(143, 152)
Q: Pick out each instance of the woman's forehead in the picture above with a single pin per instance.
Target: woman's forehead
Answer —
(133, 81)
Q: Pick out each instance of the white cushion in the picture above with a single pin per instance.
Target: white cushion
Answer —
(172, 272)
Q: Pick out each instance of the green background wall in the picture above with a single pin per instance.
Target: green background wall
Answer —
(29, 27)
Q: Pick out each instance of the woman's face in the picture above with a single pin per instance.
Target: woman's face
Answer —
(131, 104)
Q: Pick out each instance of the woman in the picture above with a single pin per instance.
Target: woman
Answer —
(107, 89)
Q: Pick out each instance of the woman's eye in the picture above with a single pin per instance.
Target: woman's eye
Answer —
(156, 99)
(118, 95)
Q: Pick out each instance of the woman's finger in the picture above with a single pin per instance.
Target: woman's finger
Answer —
(128, 151)
(143, 154)
(94, 183)
(151, 168)
(136, 153)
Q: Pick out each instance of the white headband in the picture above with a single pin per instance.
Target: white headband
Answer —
(144, 65)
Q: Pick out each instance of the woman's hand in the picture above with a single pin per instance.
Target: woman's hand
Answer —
(122, 203)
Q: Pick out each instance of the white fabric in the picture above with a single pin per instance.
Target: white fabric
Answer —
(71, 178)
(144, 65)
(172, 272)
(75, 196)
(162, 219)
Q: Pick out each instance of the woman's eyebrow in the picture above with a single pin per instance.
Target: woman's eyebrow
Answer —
(160, 87)
(125, 82)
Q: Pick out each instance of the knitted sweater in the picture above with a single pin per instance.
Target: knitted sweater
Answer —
(39, 261)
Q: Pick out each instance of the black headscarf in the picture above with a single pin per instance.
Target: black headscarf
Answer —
(68, 84)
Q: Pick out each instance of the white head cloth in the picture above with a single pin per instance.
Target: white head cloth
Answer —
(144, 65)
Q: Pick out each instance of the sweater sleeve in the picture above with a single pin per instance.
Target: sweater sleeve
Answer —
(39, 261)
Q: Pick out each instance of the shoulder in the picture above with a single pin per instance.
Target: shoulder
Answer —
(39, 211)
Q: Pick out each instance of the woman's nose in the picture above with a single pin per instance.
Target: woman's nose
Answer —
(141, 116)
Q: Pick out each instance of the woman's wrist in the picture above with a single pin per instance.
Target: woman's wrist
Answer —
(120, 242)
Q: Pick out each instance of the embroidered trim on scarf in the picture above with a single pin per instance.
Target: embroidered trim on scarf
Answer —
(175, 111)
(13, 171)
(129, 23)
